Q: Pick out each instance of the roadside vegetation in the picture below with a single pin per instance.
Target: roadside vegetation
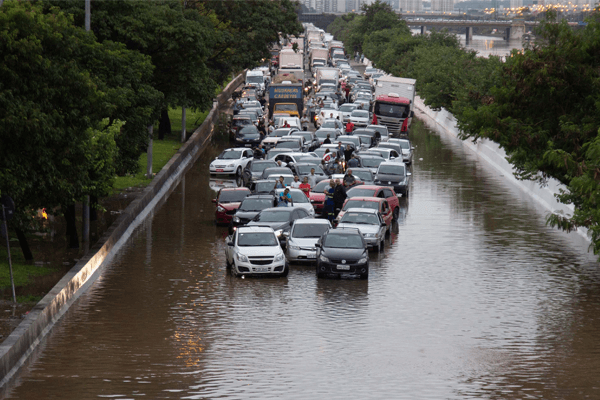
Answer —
(75, 106)
(541, 105)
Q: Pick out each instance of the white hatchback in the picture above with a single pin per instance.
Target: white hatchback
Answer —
(300, 200)
(231, 161)
(255, 250)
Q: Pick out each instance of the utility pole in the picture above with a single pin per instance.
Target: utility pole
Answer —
(88, 15)
(149, 152)
(183, 124)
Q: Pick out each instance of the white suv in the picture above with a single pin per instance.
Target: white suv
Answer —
(255, 250)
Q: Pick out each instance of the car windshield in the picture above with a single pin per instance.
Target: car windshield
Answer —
(366, 140)
(363, 175)
(354, 140)
(329, 124)
(391, 170)
(393, 146)
(343, 241)
(288, 144)
(392, 110)
(273, 216)
(261, 166)
(381, 153)
(373, 205)
(373, 162)
(320, 187)
(279, 133)
(230, 155)
(264, 187)
(257, 239)
(254, 79)
(232, 196)
(360, 192)
(322, 134)
(302, 231)
(360, 114)
(309, 159)
(287, 180)
(305, 169)
(347, 108)
(297, 197)
(404, 145)
(257, 204)
(360, 218)
(249, 131)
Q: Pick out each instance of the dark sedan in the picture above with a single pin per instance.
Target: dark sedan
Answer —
(255, 168)
(279, 218)
(303, 169)
(342, 251)
(276, 171)
(249, 208)
(248, 136)
(395, 175)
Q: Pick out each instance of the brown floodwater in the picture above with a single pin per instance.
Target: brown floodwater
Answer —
(473, 298)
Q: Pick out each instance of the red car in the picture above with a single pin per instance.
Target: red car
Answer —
(382, 192)
(228, 200)
(375, 203)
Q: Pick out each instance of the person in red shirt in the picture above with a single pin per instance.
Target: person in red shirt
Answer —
(374, 119)
(349, 128)
(347, 90)
(305, 186)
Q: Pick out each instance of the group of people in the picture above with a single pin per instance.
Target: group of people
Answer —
(336, 194)
(339, 159)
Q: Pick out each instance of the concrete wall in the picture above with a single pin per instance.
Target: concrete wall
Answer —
(444, 122)
(23, 340)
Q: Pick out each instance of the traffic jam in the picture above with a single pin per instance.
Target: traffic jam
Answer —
(321, 158)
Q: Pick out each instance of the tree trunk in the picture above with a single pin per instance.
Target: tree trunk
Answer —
(24, 245)
(164, 124)
(93, 208)
(71, 227)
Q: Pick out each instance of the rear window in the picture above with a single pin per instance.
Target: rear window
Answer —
(232, 196)
(373, 205)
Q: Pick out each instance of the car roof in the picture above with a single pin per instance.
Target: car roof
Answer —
(392, 163)
(319, 221)
(367, 198)
(233, 189)
(237, 148)
(362, 210)
(291, 189)
(255, 228)
(259, 196)
(340, 231)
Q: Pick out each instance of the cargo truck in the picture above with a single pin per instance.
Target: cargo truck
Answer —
(292, 62)
(393, 105)
(318, 54)
(287, 92)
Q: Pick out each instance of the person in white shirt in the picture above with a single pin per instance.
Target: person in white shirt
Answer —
(296, 183)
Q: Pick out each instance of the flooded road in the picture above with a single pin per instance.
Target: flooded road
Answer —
(473, 298)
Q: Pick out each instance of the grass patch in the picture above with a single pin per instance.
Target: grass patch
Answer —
(193, 119)
(162, 151)
(22, 270)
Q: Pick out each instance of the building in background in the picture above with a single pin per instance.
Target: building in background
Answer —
(411, 6)
(442, 5)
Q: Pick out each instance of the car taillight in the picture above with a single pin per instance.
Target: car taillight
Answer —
(404, 125)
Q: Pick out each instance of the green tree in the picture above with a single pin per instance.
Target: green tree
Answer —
(545, 113)
(56, 145)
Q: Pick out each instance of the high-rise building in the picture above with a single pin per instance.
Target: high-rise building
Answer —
(516, 3)
(442, 5)
(411, 5)
(352, 6)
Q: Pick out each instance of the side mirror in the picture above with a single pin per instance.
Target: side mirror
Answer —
(318, 245)
(408, 174)
(214, 201)
(286, 234)
(230, 243)
(383, 224)
(412, 148)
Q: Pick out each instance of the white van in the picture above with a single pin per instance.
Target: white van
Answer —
(255, 79)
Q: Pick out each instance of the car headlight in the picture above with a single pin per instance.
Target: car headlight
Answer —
(230, 165)
(363, 260)
(323, 258)
(278, 232)
(369, 235)
(236, 219)
(241, 257)
(279, 257)
(220, 209)
(294, 247)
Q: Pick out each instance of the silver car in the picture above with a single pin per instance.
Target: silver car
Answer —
(370, 224)
(301, 240)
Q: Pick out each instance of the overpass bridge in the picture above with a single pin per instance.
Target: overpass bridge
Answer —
(515, 29)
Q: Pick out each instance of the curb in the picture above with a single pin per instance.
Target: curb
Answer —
(15, 349)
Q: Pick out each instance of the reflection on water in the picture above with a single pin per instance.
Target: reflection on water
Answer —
(474, 297)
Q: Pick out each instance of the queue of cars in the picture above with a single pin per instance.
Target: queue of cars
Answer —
(264, 234)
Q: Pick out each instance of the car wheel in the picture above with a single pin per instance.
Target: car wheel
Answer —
(286, 270)
(227, 263)
(365, 275)
(388, 231)
(381, 245)
(239, 171)
(396, 214)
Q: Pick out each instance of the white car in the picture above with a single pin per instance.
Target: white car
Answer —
(386, 153)
(370, 224)
(231, 161)
(360, 117)
(272, 138)
(407, 149)
(346, 110)
(299, 199)
(255, 250)
(301, 240)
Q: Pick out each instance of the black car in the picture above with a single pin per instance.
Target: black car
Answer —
(375, 136)
(248, 136)
(249, 208)
(237, 123)
(279, 218)
(276, 171)
(255, 168)
(310, 139)
(342, 251)
(364, 174)
(263, 186)
(393, 174)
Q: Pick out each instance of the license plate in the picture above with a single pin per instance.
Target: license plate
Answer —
(219, 170)
(248, 145)
(311, 255)
(344, 267)
(264, 269)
